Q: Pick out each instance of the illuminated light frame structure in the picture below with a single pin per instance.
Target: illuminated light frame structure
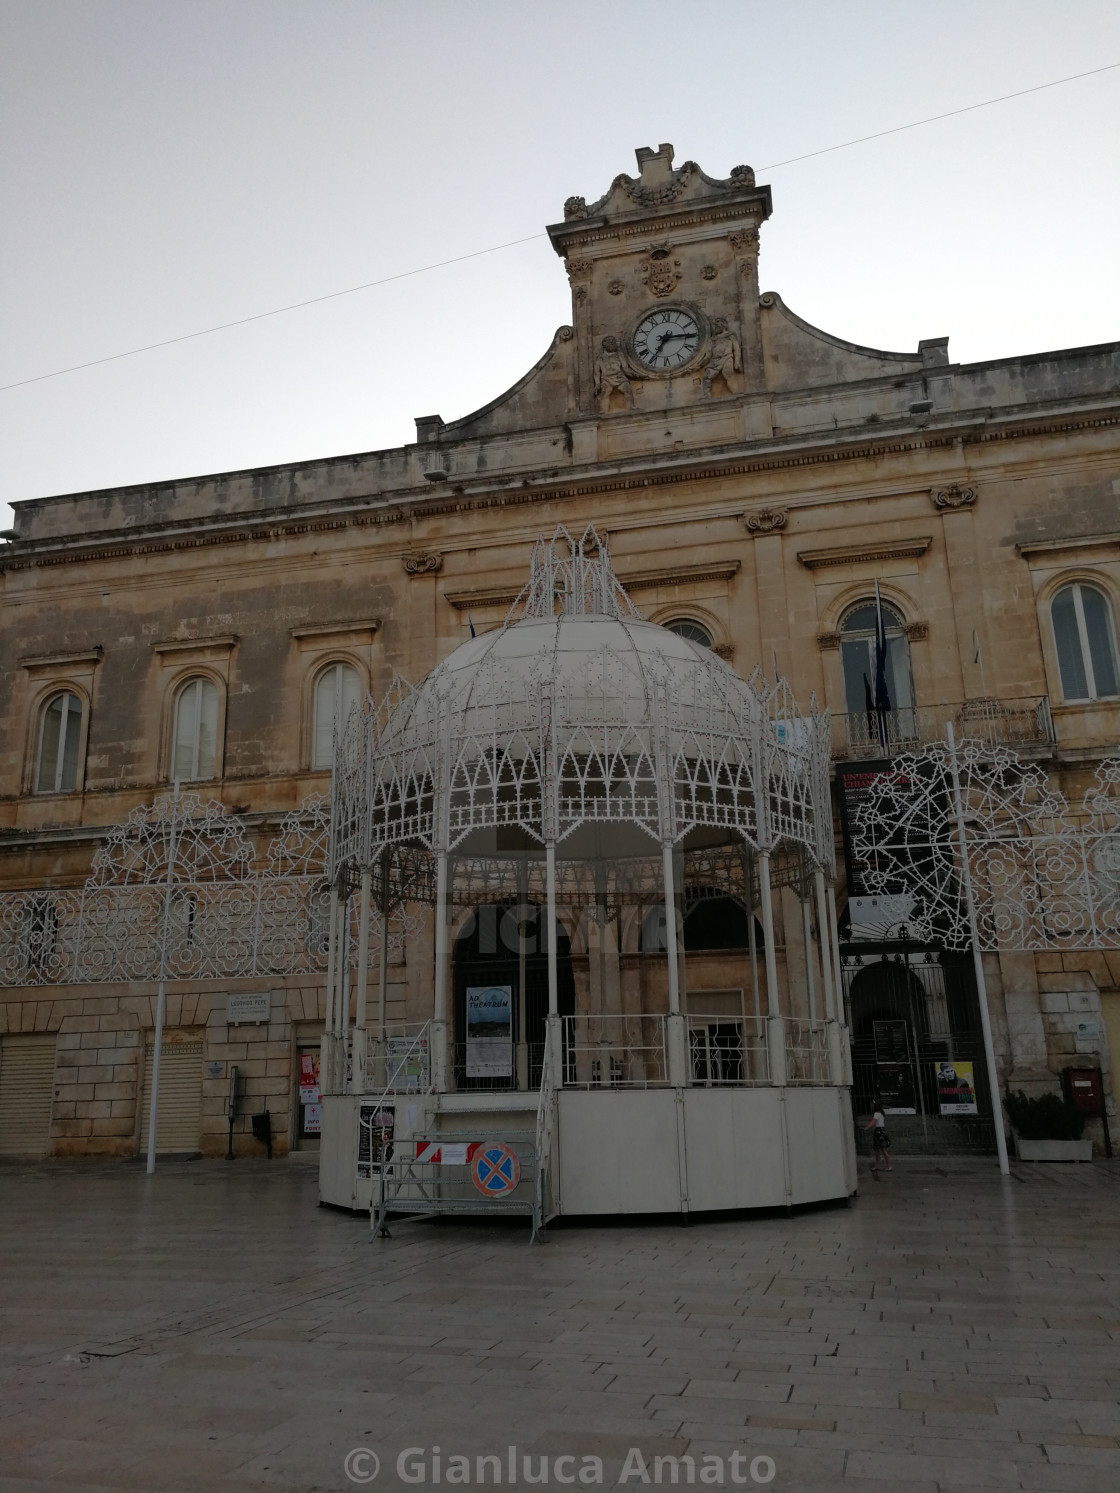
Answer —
(619, 759)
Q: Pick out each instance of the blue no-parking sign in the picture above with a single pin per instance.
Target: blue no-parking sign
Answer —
(495, 1169)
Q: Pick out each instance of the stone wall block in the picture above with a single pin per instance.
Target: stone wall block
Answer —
(114, 1090)
(80, 1024)
(1067, 980)
(78, 1092)
(121, 1108)
(278, 1067)
(73, 1128)
(63, 1109)
(107, 1125)
(96, 1073)
(116, 1021)
(67, 1041)
(27, 1016)
(96, 1005)
(1055, 1000)
(1084, 1001)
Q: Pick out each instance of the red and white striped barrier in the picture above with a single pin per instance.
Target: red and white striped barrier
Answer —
(457, 1154)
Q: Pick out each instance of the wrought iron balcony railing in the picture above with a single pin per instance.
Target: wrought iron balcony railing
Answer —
(886, 733)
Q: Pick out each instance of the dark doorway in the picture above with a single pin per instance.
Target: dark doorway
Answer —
(486, 953)
(917, 1048)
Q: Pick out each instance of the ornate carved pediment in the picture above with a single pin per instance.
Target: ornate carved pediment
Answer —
(766, 520)
(422, 562)
(949, 499)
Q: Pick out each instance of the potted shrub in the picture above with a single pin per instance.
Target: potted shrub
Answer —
(1047, 1129)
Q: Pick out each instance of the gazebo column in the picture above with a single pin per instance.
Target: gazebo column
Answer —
(326, 1041)
(439, 1005)
(360, 987)
(678, 1054)
(775, 1022)
(835, 1046)
(552, 1052)
(838, 976)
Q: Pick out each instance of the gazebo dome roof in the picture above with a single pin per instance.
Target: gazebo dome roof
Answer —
(577, 715)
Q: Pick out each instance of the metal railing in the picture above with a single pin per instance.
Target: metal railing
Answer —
(727, 1051)
(615, 1051)
(885, 733)
(807, 1056)
(432, 1173)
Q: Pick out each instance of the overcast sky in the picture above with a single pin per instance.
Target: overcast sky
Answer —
(166, 165)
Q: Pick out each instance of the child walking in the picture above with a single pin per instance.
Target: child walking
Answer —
(880, 1140)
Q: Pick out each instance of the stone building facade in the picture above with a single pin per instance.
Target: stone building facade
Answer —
(756, 478)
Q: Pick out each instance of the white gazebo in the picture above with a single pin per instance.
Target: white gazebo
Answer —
(613, 774)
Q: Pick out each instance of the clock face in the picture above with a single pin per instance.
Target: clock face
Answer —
(666, 339)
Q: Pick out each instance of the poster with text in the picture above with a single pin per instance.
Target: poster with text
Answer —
(312, 1119)
(407, 1063)
(309, 1078)
(489, 1031)
(956, 1088)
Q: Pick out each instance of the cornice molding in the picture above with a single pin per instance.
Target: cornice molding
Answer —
(179, 648)
(87, 658)
(408, 504)
(857, 554)
(639, 580)
(1074, 542)
(319, 633)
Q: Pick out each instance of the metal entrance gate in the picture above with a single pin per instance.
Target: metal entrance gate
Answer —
(917, 1048)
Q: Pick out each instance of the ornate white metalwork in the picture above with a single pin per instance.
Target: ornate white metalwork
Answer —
(578, 714)
(229, 917)
(1045, 875)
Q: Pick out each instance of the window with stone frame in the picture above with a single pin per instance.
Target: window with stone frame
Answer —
(687, 627)
(337, 691)
(194, 756)
(60, 737)
(1085, 640)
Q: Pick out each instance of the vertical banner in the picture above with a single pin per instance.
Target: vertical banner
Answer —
(489, 1031)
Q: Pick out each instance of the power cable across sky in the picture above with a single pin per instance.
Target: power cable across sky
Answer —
(425, 269)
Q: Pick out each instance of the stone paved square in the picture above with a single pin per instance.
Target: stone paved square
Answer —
(211, 1329)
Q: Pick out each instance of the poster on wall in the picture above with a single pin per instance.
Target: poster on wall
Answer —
(312, 1119)
(376, 1124)
(407, 1064)
(896, 1088)
(956, 1088)
(489, 1031)
(309, 1078)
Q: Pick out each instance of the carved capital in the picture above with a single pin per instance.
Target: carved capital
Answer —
(827, 641)
(917, 632)
(422, 562)
(766, 520)
(951, 499)
(579, 269)
(746, 238)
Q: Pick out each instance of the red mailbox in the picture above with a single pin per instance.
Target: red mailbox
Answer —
(1083, 1089)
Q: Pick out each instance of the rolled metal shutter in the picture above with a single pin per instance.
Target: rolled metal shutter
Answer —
(180, 1097)
(26, 1086)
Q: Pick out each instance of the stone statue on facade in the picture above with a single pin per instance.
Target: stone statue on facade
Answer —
(726, 356)
(610, 375)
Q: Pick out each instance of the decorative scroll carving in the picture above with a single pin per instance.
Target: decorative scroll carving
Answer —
(725, 357)
(610, 375)
(917, 632)
(950, 499)
(647, 196)
(766, 520)
(827, 642)
(660, 273)
(579, 269)
(422, 562)
(575, 207)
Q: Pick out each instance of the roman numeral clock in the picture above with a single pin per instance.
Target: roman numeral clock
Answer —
(667, 339)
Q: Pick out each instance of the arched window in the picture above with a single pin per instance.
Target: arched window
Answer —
(1085, 637)
(58, 745)
(195, 754)
(685, 627)
(857, 652)
(337, 691)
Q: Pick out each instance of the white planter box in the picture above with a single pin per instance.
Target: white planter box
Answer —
(1054, 1150)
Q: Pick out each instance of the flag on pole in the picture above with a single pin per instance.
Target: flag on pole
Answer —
(882, 693)
(470, 624)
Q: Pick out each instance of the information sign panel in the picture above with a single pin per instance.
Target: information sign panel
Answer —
(489, 1031)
